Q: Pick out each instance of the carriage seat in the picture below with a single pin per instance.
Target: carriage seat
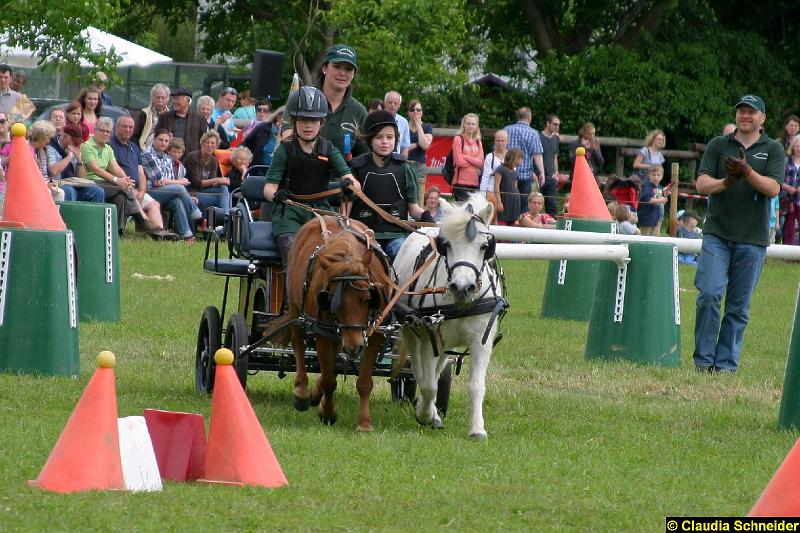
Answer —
(249, 241)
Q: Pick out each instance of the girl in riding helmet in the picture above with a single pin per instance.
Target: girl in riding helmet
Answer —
(303, 164)
(388, 181)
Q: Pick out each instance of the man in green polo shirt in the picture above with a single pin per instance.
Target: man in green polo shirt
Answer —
(740, 172)
(102, 167)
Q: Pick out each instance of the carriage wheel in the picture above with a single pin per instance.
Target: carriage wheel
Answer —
(208, 342)
(403, 388)
(236, 336)
(443, 389)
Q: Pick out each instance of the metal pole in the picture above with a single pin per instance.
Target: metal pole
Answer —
(596, 252)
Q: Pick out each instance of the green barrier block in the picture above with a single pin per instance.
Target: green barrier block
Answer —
(97, 245)
(636, 314)
(789, 416)
(569, 289)
(38, 304)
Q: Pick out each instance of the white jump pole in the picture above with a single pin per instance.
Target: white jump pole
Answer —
(554, 236)
(592, 252)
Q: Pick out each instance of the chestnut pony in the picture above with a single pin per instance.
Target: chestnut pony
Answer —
(333, 294)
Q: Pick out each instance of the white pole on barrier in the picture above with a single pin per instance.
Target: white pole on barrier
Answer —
(589, 252)
(554, 236)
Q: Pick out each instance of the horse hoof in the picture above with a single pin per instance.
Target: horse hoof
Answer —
(301, 404)
(364, 429)
(437, 424)
(420, 422)
(479, 436)
(328, 420)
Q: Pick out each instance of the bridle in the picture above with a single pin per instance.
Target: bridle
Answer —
(441, 244)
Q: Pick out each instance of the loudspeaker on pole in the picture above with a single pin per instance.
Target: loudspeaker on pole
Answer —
(267, 74)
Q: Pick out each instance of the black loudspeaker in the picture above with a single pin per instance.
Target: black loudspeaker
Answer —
(267, 74)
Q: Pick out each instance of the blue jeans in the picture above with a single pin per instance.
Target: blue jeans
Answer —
(178, 201)
(217, 196)
(92, 193)
(524, 187)
(729, 268)
(392, 246)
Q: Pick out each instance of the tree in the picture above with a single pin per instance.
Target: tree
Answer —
(398, 42)
(53, 29)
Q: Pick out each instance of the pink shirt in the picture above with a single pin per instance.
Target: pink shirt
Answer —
(468, 161)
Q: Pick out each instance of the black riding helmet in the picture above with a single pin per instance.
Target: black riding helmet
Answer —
(307, 102)
(376, 121)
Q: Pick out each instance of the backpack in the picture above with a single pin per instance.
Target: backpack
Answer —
(449, 169)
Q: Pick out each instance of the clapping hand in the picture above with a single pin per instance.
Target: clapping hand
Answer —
(737, 168)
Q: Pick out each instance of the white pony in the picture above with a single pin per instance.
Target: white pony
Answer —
(466, 314)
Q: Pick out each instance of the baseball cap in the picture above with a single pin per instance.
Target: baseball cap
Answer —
(753, 101)
(341, 53)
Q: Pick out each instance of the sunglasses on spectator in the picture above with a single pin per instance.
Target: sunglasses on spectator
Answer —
(229, 90)
(3, 121)
(262, 109)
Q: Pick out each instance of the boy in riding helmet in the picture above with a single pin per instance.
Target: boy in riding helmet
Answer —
(303, 164)
(387, 181)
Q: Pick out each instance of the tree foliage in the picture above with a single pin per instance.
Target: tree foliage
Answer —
(53, 29)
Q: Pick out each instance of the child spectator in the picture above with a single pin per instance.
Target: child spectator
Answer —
(651, 203)
(432, 203)
(534, 218)
(687, 229)
(623, 216)
(506, 191)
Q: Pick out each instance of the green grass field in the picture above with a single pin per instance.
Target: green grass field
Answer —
(573, 444)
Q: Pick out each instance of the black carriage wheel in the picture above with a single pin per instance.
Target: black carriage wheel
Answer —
(236, 336)
(208, 342)
(443, 389)
(403, 388)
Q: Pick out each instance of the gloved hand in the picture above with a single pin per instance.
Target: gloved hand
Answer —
(280, 196)
(345, 185)
(426, 217)
(737, 168)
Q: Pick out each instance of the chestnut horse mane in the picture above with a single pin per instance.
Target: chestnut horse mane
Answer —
(343, 255)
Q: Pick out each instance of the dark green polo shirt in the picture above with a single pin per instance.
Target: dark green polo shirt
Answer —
(741, 213)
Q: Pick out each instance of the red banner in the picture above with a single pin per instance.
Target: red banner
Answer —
(434, 157)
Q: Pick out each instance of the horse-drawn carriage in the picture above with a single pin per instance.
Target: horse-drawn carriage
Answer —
(342, 302)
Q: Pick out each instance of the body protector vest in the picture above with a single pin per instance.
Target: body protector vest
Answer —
(307, 173)
(384, 186)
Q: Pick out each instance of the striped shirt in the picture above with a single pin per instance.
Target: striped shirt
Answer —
(526, 139)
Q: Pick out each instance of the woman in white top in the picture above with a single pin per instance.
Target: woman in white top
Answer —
(650, 155)
(490, 164)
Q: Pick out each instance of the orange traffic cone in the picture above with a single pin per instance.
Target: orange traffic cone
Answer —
(585, 199)
(781, 497)
(28, 201)
(86, 456)
(238, 450)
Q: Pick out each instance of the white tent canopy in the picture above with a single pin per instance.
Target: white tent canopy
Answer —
(131, 53)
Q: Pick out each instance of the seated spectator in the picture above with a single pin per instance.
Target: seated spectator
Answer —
(58, 118)
(534, 217)
(261, 139)
(75, 116)
(432, 196)
(205, 106)
(65, 164)
(119, 188)
(240, 161)
(168, 189)
(625, 225)
(687, 229)
(91, 106)
(129, 158)
(247, 108)
(146, 119)
(202, 169)
(39, 136)
(176, 149)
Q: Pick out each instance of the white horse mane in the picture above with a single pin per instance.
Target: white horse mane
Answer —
(455, 217)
